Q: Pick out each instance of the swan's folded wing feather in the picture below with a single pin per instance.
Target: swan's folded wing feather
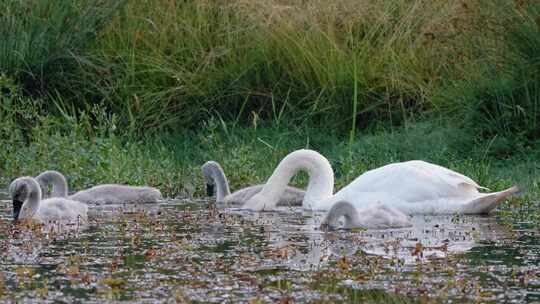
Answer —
(414, 181)
(452, 177)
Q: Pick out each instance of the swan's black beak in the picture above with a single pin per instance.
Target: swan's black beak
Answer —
(209, 190)
(17, 205)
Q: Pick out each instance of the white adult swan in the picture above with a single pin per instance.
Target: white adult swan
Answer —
(366, 214)
(25, 193)
(422, 188)
(101, 194)
(215, 176)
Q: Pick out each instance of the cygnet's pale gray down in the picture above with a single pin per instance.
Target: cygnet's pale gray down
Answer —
(214, 177)
(101, 194)
(25, 194)
(372, 216)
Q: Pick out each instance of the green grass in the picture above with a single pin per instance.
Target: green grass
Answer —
(220, 58)
(90, 150)
(167, 65)
(501, 102)
(170, 64)
(41, 38)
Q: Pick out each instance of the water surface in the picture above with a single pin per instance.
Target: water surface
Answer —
(193, 251)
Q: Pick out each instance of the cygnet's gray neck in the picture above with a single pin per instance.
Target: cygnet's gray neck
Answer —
(57, 180)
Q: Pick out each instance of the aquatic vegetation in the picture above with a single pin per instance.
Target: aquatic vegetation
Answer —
(193, 252)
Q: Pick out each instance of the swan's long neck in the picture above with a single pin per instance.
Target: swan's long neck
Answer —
(321, 178)
(342, 209)
(57, 180)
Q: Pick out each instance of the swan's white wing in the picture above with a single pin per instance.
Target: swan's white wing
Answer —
(414, 181)
(478, 203)
(450, 175)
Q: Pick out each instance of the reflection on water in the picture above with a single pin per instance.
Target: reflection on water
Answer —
(182, 250)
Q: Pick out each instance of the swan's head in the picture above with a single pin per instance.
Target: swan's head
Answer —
(20, 191)
(209, 171)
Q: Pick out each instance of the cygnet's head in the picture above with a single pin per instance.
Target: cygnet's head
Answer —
(19, 191)
(339, 216)
(209, 171)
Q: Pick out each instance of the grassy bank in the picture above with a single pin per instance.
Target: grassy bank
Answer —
(170, 64)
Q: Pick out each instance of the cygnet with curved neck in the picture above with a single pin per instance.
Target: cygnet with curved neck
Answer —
(215, 179)
(366, 216)
(25, 193)
(101, 194)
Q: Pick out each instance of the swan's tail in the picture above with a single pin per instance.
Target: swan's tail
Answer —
(489, 201)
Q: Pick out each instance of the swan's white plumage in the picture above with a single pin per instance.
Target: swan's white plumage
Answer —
(27, 190)
(320, 185)
(415, 181)
(421, 187)
(101, 194)
(426, 188)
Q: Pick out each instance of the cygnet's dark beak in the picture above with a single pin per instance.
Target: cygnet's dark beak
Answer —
(17, 205)
(209, 190)
(325, 227)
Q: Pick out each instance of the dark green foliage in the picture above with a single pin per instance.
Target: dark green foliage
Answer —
(38, 37)
(502, 102)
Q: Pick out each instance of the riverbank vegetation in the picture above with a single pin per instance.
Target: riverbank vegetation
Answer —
(169, 64)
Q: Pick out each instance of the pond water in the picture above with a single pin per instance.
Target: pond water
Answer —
(183, 251)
